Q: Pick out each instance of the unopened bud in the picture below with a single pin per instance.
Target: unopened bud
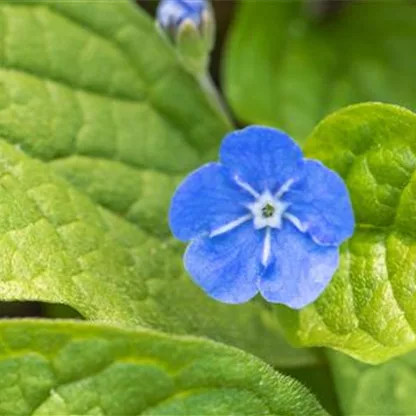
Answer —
(190, 25)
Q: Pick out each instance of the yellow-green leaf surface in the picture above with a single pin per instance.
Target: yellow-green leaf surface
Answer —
(57, 246)
(369, 308)
(387, 389)
(93, 88)
(285, 68)
(70, 368)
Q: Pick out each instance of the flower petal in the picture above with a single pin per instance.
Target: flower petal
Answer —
(227, 267)
(206, 200)
(174, 12)
(263, 157)
(299, 269)
(321, 206)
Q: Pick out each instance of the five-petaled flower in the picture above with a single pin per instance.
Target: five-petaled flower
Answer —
(263, 219)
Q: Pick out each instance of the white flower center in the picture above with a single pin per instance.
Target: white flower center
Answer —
(267, 211)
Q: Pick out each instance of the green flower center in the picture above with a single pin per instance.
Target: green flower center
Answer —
(268, 210)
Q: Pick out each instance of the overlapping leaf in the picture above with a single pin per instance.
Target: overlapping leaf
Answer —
(368, 310)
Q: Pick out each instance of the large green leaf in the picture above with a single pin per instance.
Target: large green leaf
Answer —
(285, 69)
(68, 368)
(387, 389)
(368, 310)
(93, 88)
(57, 246)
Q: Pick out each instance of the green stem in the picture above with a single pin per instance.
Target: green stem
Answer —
(208, 86)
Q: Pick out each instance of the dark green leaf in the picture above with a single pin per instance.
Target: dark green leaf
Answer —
(387, 389)
(287, 70)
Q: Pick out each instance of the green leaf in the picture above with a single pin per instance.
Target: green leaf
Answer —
(68, 368)
(57, 246)
(318, 379)
(287, 70)
(93, 88)
(387, 389)
(368, 310)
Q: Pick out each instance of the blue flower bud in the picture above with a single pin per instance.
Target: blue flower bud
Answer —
(171, 13)
(190, 26)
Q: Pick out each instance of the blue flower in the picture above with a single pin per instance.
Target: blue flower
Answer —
(172, 13)
(263, 219)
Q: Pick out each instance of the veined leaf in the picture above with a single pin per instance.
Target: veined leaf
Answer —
(368, 310)
(93, 88)
(285, 69)
(67, 368)
(57, 246)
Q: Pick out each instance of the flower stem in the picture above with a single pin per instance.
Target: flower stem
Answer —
(215, 98)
